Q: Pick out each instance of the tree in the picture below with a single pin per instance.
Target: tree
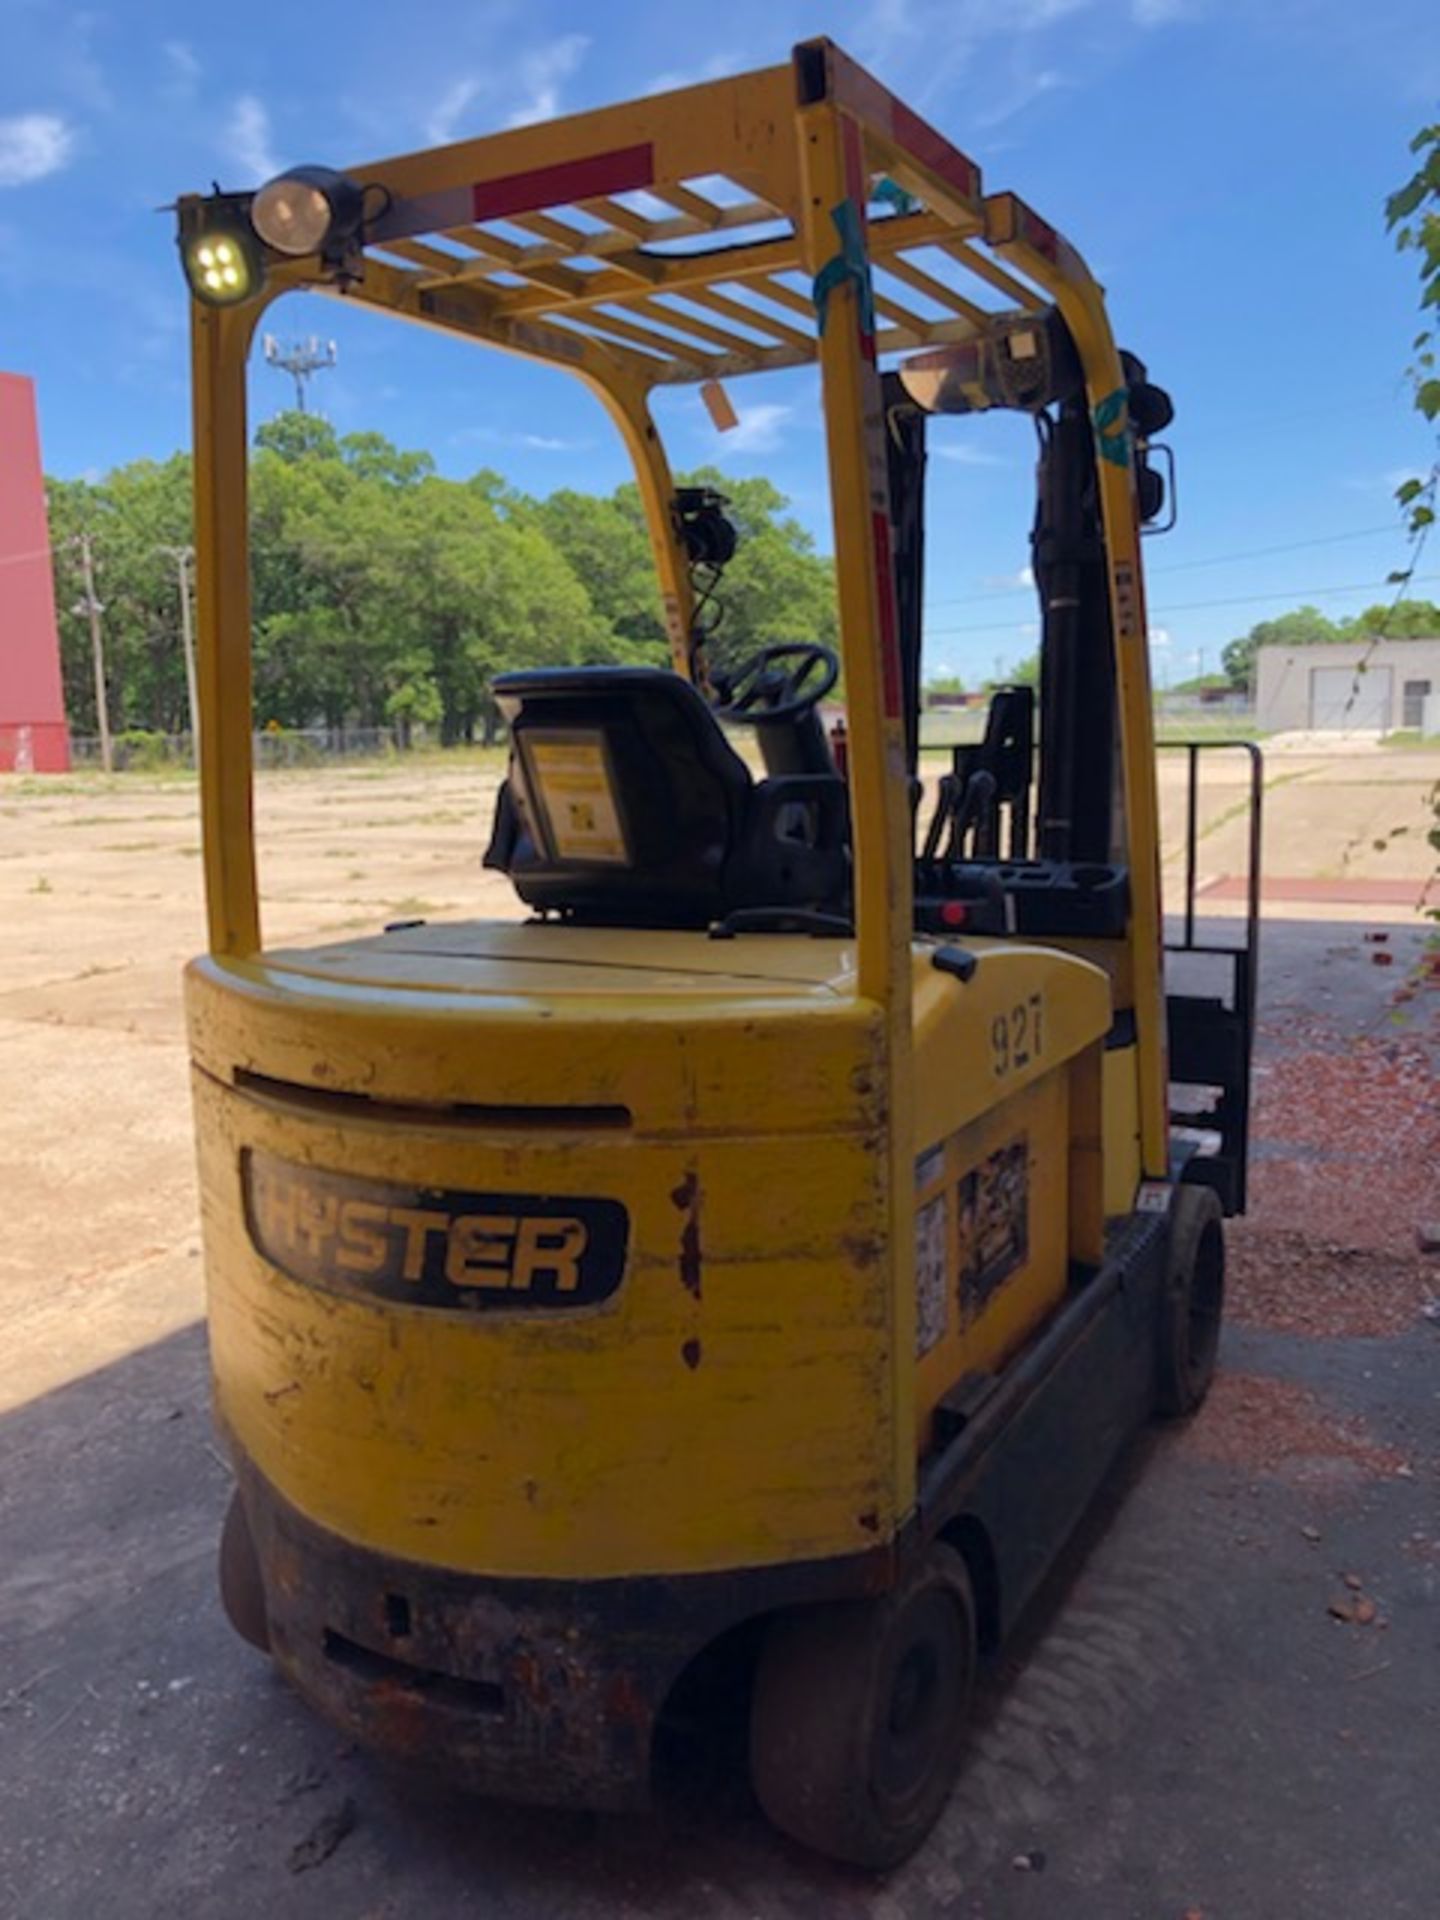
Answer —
(777, 588)
(1404, 620)
(135, 520)
(606, 544)
(1305, 627)
(385, 595)
(299, 436)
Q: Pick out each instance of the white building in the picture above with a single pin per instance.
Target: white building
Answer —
(1324, 689)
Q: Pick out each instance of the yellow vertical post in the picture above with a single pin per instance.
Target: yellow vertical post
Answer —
(835, 195)
(220, 340)
(631, 414)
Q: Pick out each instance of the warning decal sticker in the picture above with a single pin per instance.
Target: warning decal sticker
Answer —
(574, 788)
(930, 1273)
(994, 1225)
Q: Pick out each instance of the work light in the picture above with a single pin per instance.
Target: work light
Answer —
(218, 251)
(308, 210)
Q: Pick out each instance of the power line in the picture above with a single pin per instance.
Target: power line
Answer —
(1193, 606)
(1186, 566)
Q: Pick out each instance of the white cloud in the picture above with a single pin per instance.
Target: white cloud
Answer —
(183, 69)
(1159, 636)
(718, 68)
(542, 75)
(78, 68)
(532, 442)
(33, 145)
(759, 428)
(1009, 582)
(924, 46)
(247, 138)
(440, 127)
(536, 78)
(1025, 88)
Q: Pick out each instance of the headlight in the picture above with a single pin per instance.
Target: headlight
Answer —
(308, 210)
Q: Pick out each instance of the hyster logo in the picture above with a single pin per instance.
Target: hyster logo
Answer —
(429, 1246)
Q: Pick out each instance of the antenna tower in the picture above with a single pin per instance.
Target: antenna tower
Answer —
(301, 359)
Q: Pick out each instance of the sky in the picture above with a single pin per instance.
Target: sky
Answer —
(1222, 165)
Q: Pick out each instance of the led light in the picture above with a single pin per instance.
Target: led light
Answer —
(308, 210)
(218, 251)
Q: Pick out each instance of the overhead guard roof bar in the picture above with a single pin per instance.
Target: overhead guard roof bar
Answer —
(663, 245)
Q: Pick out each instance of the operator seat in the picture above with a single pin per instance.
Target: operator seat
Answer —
(626, 805)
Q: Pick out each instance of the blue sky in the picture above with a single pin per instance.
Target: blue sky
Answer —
(1222, 164)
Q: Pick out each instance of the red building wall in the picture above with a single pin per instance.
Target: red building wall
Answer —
(33, 734)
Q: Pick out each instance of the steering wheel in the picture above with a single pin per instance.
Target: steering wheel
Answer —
(777, 683)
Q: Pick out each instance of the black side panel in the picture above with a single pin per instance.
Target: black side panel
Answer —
(1031, 1459)
(905, 452)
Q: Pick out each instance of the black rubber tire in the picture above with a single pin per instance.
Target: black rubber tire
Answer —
(859, 1713)
(242, 1591)
(1192, 1303)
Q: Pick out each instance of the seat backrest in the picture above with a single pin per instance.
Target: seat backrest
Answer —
(626, 799)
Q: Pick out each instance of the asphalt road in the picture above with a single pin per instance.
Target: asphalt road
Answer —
(1182, 1729)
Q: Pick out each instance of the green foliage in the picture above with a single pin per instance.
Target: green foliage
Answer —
(1308, 627)
(134, 516)
(1305, 627)
(1412, 214)
(140, 750)
(1404, 620)
(384, 595)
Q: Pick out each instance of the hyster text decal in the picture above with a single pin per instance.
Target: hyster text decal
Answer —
(431, 1246)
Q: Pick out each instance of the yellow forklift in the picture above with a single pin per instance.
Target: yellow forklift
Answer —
(782, 1228)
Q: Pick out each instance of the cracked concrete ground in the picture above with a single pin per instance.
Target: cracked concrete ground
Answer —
(1184, 1726)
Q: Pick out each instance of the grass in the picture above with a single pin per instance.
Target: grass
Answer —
(1409, 739)
(1179, 733)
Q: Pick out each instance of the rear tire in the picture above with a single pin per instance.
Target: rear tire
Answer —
(1192, 1302)
(242, 1591)
(859, 1712)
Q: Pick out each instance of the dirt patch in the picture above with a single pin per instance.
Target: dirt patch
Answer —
(1347, 1143)
(1292, 1283)
(1265, 1426)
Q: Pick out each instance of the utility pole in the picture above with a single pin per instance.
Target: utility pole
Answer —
(92, 608)
(182, 556)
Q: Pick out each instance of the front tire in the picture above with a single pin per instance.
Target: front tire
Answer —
(859, 1713)
(242, 1591)
(1192, 1303)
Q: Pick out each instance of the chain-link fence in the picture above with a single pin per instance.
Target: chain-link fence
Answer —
(140, 751)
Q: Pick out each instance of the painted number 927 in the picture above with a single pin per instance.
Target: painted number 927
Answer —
(1017, 1037)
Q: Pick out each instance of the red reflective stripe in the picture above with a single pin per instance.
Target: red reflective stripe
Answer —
(933, 150)
(599, 173)
(885, 592)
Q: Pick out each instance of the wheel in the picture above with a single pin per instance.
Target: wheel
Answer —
(858, 1715)
(1191, 1303)
(242, 1592)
